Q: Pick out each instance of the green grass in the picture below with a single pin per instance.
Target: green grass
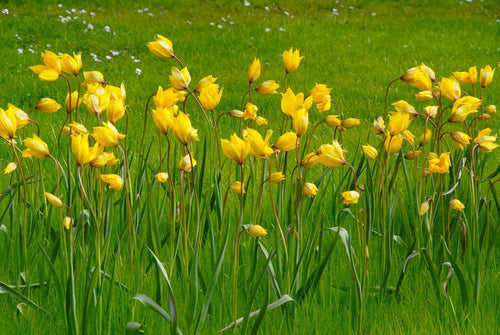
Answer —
(356, 53)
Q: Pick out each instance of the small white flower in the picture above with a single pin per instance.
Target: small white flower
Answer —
(189, 22)
(220, 26)
(108, 57)
(20, 51)
(114, 53)
(92, 14)
(5, 11)
(268, 30)
(107, 29)
(246, 3)
(90, 26)
(138, 71)
(60, 5)
(137, 60)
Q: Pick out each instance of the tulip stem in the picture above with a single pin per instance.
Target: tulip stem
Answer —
(387, 93)
(237, 251)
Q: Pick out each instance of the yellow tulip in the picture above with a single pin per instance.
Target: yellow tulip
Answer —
(259, 147)
(54, 200)
(47, 105)
(185, 163)
(379, 126)
(71, 65)
(162, 47)
(441, 164)
(267, 87)
(8, 124)
(204, 82)
(22, 118)
(78, 128)
(319, 92)
(424, 207)
(236, 113)
(370, 152)
(419, 77)
(37, 147)
(492, 109)
(236, 149)
(168, 98)
(290, 102)
(161, 177)
(210, 96)
(424, 96)
(486, 142)
(486, 76)
(250, 112)
(431, 111)
(398, 122)
(102, 159)
(115, 181)
(107, 135)
(238, 187)
(257, 231)
(309, 160)
(425, 137)
(404, 107)
(412, 154)
(276, 177)
(67, 222)
(463, 107)
(350, 197)
(450, 88)
(10, 168)
(460, 139)
(286, 142)
(310, 189)
(300, 121)
(392, 144)
(457, 205)
(52, 68)
(183, 130)
(331, 155)
(164, 118)
(333, 121)
(116, 110)
(260, 121)
(325, 104)
(469, 77)
(254, 70)
(81, 150)
(92, 77)
(350, 123)
(180, 79)
(291, 60)
(71, 102)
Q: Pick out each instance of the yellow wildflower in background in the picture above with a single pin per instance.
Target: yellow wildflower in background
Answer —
(238, 187)
(113, 180)
(310, 189)
(254, 70)
(350, 197)
(257, 231)
(441, 164)
(37, 147)
(457, 205)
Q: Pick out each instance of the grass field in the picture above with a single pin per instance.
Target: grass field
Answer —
(49, 282)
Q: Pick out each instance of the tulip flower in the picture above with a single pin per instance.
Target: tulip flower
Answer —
(10, 168)
(486, 76)
(333, 121)
(54, 200)
(238, 187)
(392, 144)
(319, 92)
(469, 77)
(36, 147)
(379, 126)
(8, 124)
(276, 177)
(71, 65)
(210, 96)
(71, 103)
(250, 112)
(424, 207)
(325, 104)
(81, 150)
(161, 177)
(67, 222)
(492, 109)
(398, 122)
(486, 142)
(310, 189)
(267, 87)
(286, 142)
(419, 77)
(78, 128)
(162, 47)
(101, 159)
(236, 149)
(424, 96)
(116, 110)
(300, 121)
(164, 118)
(168, 98)
(460, 139)
(331, 155)
(291, 60)
(257, 231)
(183, 130)
(441, 164)
(350, 123)
(457, 205)
(412, 154)
(259, 147)
(52, 68)
(93, 77)
(260, 121)
(431, 111)
(204, 82)
(290, 102)
(426, 137)
(463, 107)
(254, 70)
(350, 197)
(47, 105)
(450, 88)
(107, 135)
(370, 152)
(404, 107)
(115, 181)
(22, 118)
(185, 163)
(180, 79)
(309, 160)
(236, 113)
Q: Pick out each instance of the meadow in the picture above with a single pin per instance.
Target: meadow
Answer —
(103, 233)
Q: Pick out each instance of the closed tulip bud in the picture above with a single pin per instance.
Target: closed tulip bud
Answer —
(425, 137)
(10, 168)
(412, 154)
(331, 155)
(114, 181)
(183, 130)
(257, 231)
(204, 82)
(67, 222)
(8, 124)
(424, 96)
(236, 149)
(185, 163)
(333, 121)
(460, 139)
(236, 113)
(107, 135)
(392, 144)
(450, 88)
(180, 79)
(162, 47)
(431, 111)
(300, 121)
(486, 76)
(286, 142)
(102, 159)
(161, 177)
(486, 142)
(93, 77)
(492, 109)
(210, 96)
(37, 147)
(309, 160)
(310, 189)
(250, 111)
(276, 177)
(404, 107)
(291, 60)
(379, 126)
(71, 65)
(254, 70)
(424, 207)
(370, 152)
(350, 197)
(71, 102)
(47, 105)
(238, 187)
(54, 200)
(78, 128)
(267, 87)
(419, 77)
(116, 110)
(350, 123)
(457, 205)
(484, 116)
(22, 118)
(260, 121)
(164, 118)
